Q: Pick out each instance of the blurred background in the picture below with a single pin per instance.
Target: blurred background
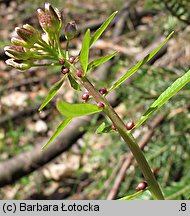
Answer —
(81, 164)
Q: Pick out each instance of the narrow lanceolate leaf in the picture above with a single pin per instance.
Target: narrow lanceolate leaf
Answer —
(74, 84)
(102, 28)
(133, 196)
(165, 96)
(74, 110)
(60, 128)
(104, 129)
(139, 65)
(85, 51)
(100, 61)
(52, 92)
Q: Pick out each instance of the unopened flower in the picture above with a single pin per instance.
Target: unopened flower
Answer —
(32, 45)
(19, 42)
(50, 19)
(70, 30)
(18, 64)
(27, 35)
(17, 52)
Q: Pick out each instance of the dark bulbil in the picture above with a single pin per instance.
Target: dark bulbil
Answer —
(141, 186)
(130, 125)
(62, 61)
(100, 105)
(79, 72)
(64, 70)
(113, 127)
(102, 91)
(71, 59)
(85, 96)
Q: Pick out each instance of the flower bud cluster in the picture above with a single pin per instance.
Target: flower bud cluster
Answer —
(31, 46)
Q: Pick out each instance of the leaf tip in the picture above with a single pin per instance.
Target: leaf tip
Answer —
(40, 109)
(42, 149)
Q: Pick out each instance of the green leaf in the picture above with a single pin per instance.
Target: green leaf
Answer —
(52, 92)
(102, 28)
(165, 96)
(74, 84)
(85, 51)
(104, 129)
(73, 110)
(133, 196)
(60, 128)
(100, 61)
(178, 189)
(139, 65)
(101, 128)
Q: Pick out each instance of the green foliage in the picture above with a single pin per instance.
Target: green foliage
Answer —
(139, 65)
(100, 61)
(73, 83)
(52, 92)
(178, 190)
(74, 110)
(59, 129)
(102, 28)
(104, 129)
(133, 196)
(165, 96)
(85, 51)
(179, 9)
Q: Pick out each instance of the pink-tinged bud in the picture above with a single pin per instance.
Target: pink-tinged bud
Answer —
(71, 59)
(50, 19)
(55, 16)
(141, 186)
(16, 52)
(130, 125)
(62, 61)
(85, 96)
(70, 30)
(43, 19)
(18, 64)
(27, 35)
(79, 73)
(100, 105)
(64, 70)
(102, 91)
(113, 127)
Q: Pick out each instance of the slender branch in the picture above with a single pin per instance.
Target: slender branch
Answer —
(113, 192)
(129, 139)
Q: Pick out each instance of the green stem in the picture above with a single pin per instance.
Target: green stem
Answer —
(67, 50)
(129, 139)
